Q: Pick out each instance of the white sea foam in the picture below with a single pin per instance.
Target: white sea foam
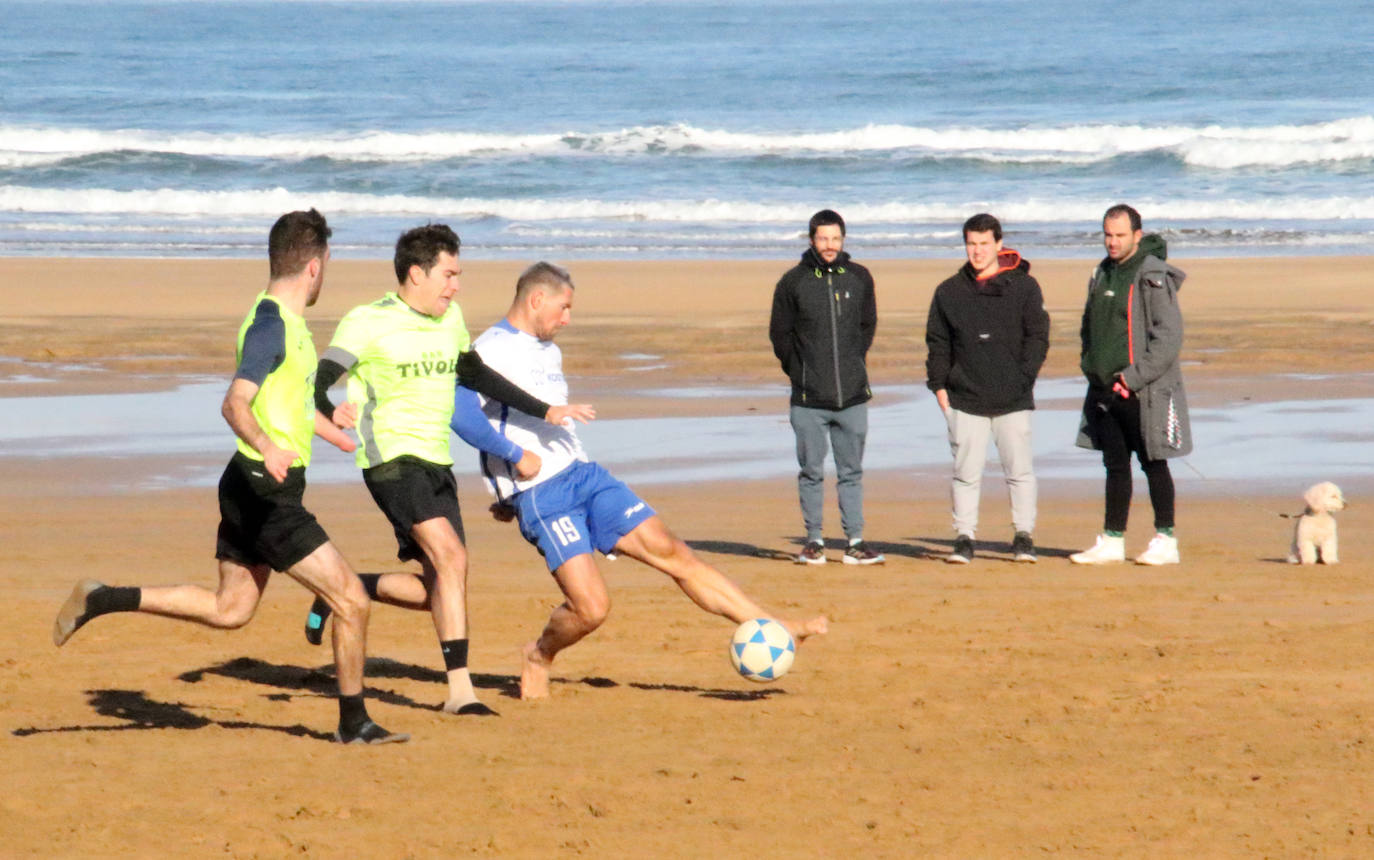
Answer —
(270, 202)
(1219, 147)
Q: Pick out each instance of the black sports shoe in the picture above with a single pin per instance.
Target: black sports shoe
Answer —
(314, 622)
(812, 553)
(369, 733)
(1023, 548)
(962, 552)
(859, 553)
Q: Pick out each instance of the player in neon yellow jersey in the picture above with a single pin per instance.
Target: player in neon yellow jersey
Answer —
(263, 525)
(404, 354)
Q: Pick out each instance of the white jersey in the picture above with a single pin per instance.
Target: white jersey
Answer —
(536, 366)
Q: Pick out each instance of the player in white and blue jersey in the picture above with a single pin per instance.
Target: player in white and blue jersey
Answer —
(574, 506)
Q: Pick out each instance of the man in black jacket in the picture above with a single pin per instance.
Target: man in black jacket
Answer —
(824, 317)
(986, 338)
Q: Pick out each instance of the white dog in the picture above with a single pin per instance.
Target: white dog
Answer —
(1315, 536)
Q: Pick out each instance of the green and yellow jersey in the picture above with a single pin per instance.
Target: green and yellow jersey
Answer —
(275, 352)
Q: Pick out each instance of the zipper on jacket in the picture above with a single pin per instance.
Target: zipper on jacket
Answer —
(835, 335)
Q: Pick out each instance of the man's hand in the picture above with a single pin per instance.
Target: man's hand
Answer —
(942, 397)
(326, 430)
(1119, 386)
(583, 412)
(346, 415)
(502, 512)
(529, 466)
(278, 460)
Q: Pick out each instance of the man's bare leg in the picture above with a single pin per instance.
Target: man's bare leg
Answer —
(230, 606)
(446, 580)
(326, 573)
(227, 608)
(652, 543)
(584, 608)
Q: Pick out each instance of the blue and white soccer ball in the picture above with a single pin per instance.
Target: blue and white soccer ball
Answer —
(762, 650)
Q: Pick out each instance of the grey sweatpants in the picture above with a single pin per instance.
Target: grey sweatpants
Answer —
(968, 441)
(845, 431)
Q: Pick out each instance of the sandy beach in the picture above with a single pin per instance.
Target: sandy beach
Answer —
(1218, 708)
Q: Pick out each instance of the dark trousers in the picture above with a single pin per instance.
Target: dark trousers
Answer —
(1116, 420)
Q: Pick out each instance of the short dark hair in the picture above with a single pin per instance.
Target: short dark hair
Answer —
(421, 246)
(542, 274)
(982, 223)
(1122, 209)
(296, 239)
(825, 218)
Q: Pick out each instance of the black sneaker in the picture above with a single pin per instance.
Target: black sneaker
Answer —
(859, 553)
(1023, 548)
(314, 621)
(812, 553)
(962, 552)
(369, 733)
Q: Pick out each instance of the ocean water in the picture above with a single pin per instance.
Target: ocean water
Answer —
(624, 129)
(1241, 446)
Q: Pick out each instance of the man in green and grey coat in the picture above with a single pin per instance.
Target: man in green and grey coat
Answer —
(1132, 332)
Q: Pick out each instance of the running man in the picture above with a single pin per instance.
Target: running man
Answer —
(263, 525)
(403, 354)
(574, 506)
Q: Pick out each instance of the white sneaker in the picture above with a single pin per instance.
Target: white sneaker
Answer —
(1163, 549)
(1107, 550)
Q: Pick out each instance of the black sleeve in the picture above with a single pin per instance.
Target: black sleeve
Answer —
(939, 355)
(868, 322)
(264, 344)
(326, 374)
(782, 324)
(474, 373)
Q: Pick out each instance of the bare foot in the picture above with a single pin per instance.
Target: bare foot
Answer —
(801, 630)
(534, 673)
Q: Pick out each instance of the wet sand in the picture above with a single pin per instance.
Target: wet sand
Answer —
(1216, 708)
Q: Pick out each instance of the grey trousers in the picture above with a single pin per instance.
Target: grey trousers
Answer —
(968, 441)
(845, 431)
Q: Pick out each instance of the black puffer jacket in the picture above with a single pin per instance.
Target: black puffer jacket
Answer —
(824, 318)
(986, 340)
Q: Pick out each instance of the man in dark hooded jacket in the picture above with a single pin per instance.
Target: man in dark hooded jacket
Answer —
(822, 325)
(986, 337)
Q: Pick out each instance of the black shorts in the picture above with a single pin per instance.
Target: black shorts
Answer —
(409, 491)
(262, 521)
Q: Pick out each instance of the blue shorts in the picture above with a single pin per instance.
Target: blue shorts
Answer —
(580, 509)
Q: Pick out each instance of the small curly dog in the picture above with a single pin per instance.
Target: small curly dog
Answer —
(1314, 538)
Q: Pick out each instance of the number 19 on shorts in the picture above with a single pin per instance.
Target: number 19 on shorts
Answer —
(565, 530)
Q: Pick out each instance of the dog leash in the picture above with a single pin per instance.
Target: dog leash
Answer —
(1244, 501)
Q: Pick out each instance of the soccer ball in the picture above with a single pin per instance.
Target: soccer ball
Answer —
(762, 650)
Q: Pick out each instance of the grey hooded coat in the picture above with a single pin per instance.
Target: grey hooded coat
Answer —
(1155, 325)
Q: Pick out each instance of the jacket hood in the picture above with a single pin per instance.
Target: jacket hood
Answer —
(1151, 245)
(813, 260)
(1154, 244)
(1008, 260)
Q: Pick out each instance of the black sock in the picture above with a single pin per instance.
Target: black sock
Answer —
(108, 598)
(352, 713)
(455, 654)
(370, 583)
